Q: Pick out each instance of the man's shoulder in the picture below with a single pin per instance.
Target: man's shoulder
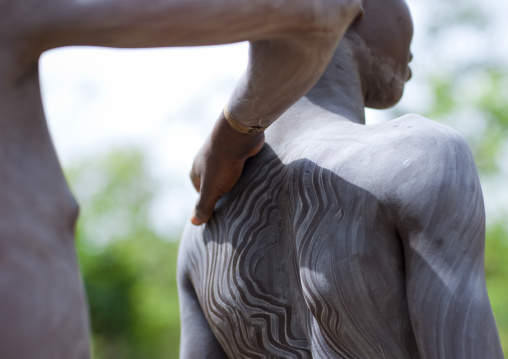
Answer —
(415, 142)
(394, 159)
(419, 132)
(423, 145)
(430, 163)
(408, 143)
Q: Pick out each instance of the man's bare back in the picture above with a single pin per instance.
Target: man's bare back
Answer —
(317, 253)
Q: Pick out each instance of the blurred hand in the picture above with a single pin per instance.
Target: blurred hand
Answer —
(219, 164)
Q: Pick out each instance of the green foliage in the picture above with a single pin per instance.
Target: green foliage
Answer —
(129, 271)
(496, 268)
(475, 98)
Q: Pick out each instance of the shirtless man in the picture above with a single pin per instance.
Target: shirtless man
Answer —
(342, 240)
(42, 305)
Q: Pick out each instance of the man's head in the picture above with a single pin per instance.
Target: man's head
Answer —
(380, 40)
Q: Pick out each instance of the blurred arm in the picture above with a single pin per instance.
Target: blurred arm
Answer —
(292, 41)
(153, 23)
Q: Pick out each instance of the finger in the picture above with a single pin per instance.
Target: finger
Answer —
(195, 220)
(205, 206)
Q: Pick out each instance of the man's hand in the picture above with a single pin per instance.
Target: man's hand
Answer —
(219, 164)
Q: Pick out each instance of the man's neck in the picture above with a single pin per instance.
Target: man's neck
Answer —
(339, 103)
(337, 97)
(340, 89)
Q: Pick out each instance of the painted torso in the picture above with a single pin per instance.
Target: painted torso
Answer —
(302, 259)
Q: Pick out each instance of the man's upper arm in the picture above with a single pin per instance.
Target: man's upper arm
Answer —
(441, 221)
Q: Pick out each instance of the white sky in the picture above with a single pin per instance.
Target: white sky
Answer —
(166, 101)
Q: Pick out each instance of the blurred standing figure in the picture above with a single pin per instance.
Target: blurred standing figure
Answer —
(342, 240)
(42, 305)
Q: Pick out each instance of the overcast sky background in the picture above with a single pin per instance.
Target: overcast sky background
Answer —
(165, 101)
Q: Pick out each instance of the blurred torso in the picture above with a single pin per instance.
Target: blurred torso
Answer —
(38, 214)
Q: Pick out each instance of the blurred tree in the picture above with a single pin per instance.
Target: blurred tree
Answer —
(129, 270)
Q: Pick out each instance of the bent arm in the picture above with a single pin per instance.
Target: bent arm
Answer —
(292, 41)
(442, 227)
